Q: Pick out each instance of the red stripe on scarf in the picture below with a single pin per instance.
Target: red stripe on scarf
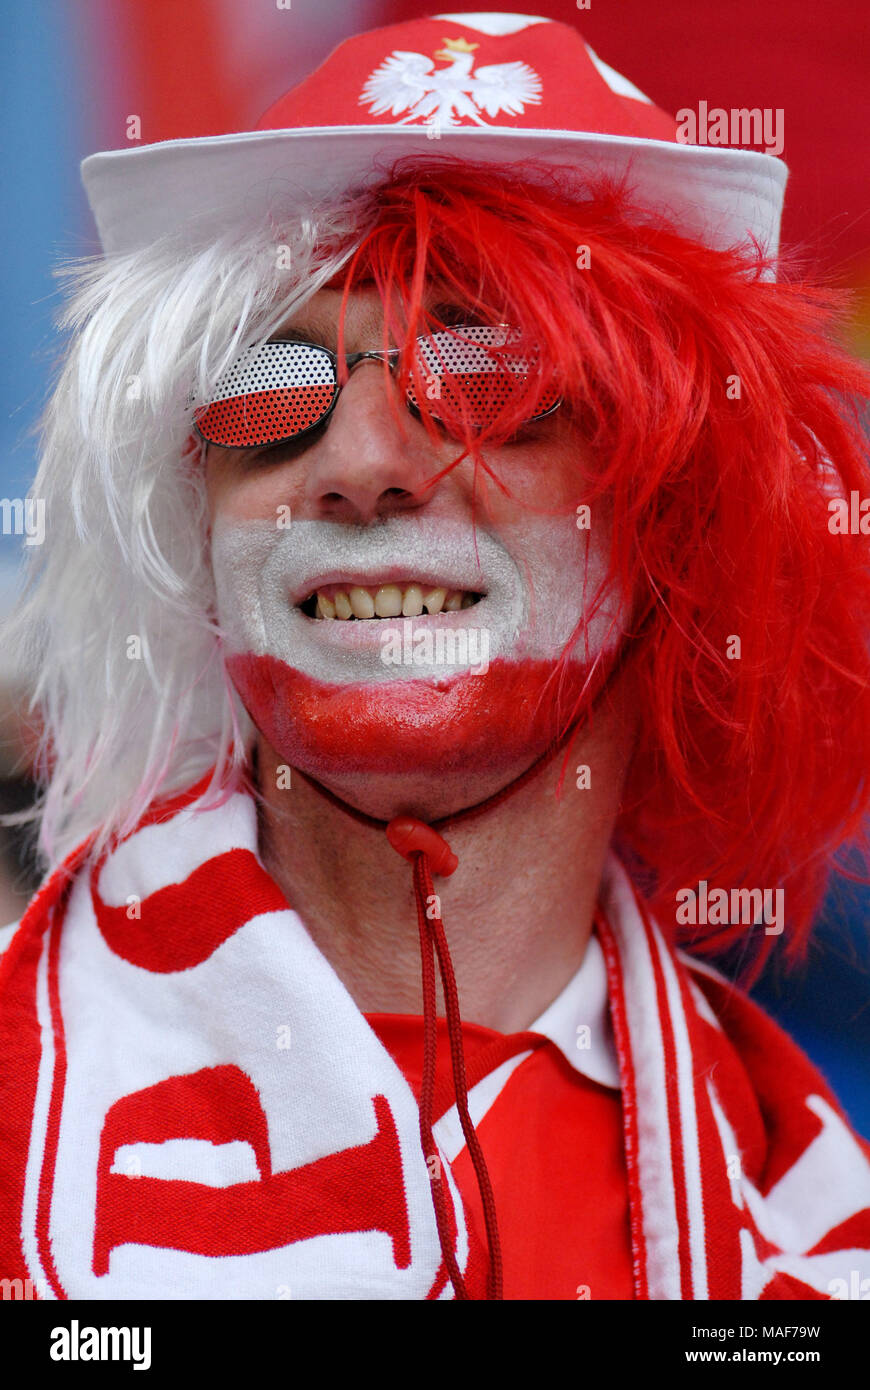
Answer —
(622, 1038)
(46, 1177)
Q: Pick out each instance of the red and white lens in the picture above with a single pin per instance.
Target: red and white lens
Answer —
(470, 375)
(270, 394)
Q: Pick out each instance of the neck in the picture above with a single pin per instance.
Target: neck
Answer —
(518, 911)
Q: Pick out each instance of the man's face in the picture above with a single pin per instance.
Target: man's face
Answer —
(393, 637)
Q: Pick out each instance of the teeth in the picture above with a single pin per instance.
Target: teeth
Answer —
(434, 600)
(361, 603)
(390, 601)
(412, 603)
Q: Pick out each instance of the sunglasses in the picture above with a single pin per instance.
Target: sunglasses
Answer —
(469, 375)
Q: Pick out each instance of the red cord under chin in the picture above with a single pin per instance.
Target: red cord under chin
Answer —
(410, 837)
(429, 853)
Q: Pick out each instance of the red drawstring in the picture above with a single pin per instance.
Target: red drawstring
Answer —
(427, 1088)
(427, 851)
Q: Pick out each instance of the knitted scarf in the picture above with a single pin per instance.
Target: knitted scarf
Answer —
(193, 1106)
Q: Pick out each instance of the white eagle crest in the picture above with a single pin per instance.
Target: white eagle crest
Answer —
(407, 85)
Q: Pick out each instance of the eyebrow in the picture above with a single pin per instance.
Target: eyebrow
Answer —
(301, 335)
(450, 313)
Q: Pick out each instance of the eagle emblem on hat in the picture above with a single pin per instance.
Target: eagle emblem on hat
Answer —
(409, 86)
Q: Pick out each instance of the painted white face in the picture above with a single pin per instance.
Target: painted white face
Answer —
(276, 585)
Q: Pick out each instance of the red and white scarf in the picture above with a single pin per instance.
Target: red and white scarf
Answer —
(193, 1106)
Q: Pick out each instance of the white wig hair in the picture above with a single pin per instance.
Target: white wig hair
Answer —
(117, 632)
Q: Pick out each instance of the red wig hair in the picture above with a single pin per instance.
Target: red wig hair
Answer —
(721, 416)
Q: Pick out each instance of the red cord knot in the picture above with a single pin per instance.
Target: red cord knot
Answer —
(410, 836)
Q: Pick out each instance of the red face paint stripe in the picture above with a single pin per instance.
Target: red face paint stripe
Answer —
(508, 714)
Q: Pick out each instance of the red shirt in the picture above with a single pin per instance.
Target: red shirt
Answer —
(553, 1142)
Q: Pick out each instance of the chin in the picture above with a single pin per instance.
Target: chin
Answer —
(466, 729)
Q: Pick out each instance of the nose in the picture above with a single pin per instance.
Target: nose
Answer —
(373, 458)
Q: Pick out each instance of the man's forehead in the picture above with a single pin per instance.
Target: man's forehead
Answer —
(318, 320)
(319, 317)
